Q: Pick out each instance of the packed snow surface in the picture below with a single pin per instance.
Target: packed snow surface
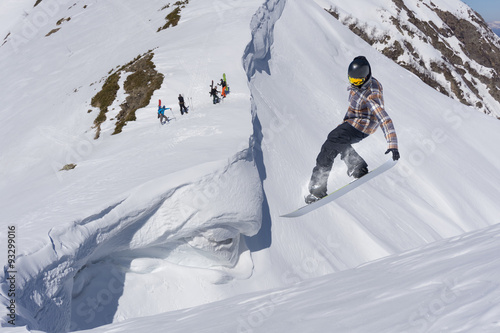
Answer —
(177, 227)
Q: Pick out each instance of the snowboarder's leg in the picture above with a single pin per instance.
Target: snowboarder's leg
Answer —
(338, 142)
(356, 165)
(321, 171)
(324, 162)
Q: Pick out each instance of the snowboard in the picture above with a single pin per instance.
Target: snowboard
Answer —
(341, 191)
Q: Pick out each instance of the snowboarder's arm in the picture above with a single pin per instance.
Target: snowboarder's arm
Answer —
(377, 107)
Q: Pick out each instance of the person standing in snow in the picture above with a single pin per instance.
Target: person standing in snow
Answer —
(182, 105)
(365, 113)
(223, 84)
(214, 93)
(161, 114)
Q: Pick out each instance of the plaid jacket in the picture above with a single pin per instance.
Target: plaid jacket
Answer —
(366, 111)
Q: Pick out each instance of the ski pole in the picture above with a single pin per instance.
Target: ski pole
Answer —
(173, 114)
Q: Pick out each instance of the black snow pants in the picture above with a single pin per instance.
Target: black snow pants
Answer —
(338, 142)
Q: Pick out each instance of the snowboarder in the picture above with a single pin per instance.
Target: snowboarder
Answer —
(223, 85)
(214, 94)
(182, 105)
(161, 114)
(365, 113)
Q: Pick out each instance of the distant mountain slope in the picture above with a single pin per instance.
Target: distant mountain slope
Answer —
(445, 43)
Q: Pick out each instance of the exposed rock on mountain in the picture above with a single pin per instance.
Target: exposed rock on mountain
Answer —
(451, 49)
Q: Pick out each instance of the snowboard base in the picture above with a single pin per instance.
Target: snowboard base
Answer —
(341, 191)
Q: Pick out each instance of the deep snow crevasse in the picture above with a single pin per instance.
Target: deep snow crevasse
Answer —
(256, 59)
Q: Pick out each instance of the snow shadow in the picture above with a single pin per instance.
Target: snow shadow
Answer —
(256, 59)
(263, 239)
(258, 52)
(99, 283)
(97, 290)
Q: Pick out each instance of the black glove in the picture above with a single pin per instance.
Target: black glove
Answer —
(395, 153)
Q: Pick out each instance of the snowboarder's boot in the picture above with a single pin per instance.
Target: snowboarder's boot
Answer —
(357, 171)
(360, 172)
(317, 185)
(310, 198)
(356, 165)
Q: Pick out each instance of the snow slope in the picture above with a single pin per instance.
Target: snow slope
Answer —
(149, 193)
(448, 286)
(412, 205)
(157, 219)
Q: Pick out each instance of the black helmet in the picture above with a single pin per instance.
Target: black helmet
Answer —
(359, 71)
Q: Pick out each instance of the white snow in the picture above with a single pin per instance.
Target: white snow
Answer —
(176, 227)
(449, 286)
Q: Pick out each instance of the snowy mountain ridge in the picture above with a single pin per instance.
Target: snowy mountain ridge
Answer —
(161, 218)
(448, 45)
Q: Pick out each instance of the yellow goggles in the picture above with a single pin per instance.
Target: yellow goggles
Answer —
(356, 82)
